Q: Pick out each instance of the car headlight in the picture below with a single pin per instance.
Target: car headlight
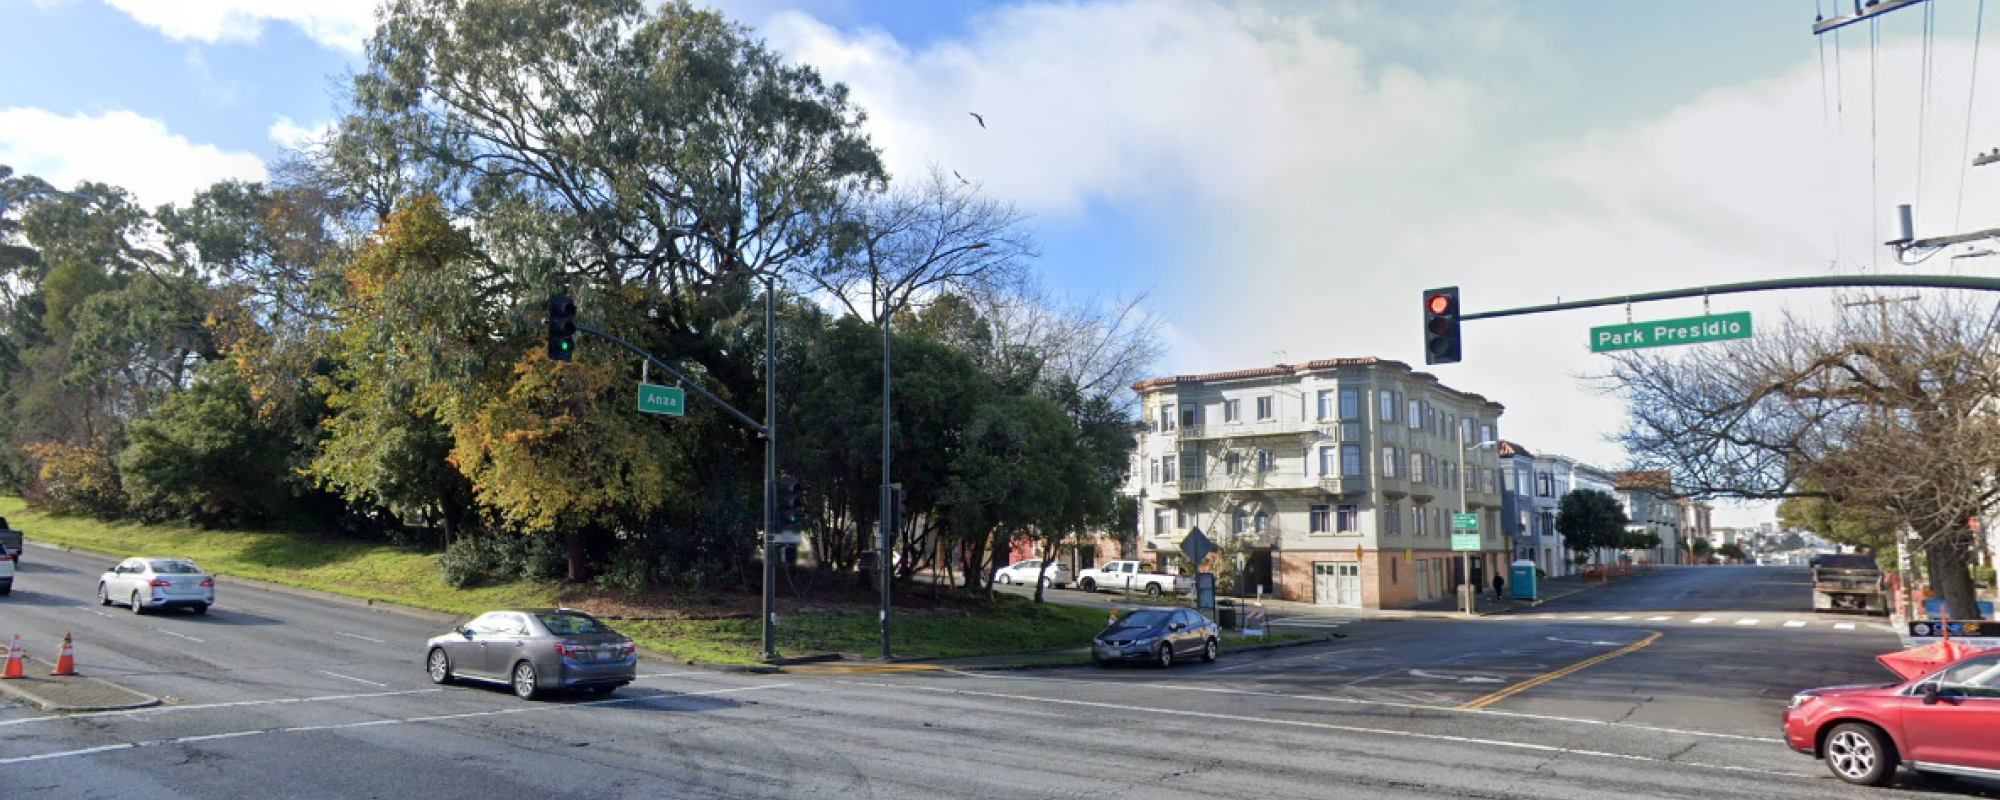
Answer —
(1802, 698)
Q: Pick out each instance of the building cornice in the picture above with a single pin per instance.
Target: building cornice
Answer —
(1296, 371)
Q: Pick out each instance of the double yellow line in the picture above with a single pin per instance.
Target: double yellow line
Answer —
(1569, 670)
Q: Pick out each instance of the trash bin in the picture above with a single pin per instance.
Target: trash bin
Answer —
(1226, 614)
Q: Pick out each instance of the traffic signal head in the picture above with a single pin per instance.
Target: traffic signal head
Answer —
(791, 497)
(895, 507)
(1441, 343)
(562, 328)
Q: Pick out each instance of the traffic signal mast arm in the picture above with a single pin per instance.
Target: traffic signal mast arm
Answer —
(754, 425)
(1917, 281)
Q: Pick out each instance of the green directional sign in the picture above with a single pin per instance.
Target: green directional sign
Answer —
(1668, 332)
(1465, 542)
(1465, 522)
(662, 400)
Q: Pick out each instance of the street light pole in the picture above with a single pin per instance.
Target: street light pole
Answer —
(1468, 593)
(770, 465)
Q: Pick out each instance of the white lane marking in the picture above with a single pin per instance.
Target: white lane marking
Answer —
(1748, 621)
(101, 614)
(1325, 726)
(147, 712)
(1269, 661)
(1585, 616)
(1843, 626)
(1621, 616)
(1417, 673)
(366, 724)
(182, 635)
(352, 678)
(1658, 619)
(355, 636)
(1359, 702)
(1593, 644)
(1795, 623)
(1702, 620)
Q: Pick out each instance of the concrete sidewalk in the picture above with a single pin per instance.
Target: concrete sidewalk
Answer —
(70, 694)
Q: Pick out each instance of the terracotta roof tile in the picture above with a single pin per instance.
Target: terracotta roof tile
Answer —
(1294, 370)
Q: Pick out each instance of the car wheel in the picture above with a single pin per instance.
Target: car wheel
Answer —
(524, 681)
(1088, 585)
(1165, 656)
(438, 665)
(137, 607)
(1006, 580)
(1209, 651)
(1859, 754)
(200, 610)
(1152, 590)
(103, 597)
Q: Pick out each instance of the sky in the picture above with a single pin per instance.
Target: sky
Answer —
(1281, 180)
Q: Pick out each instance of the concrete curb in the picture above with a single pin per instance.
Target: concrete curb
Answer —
(1321, 639)
(71, 694)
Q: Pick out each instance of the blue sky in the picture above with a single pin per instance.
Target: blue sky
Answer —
(1282, 179)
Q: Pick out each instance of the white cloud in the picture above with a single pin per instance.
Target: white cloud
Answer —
(337, 24)
(293, 136)
(119, 148)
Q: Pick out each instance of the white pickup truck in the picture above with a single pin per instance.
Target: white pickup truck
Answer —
(1120, 576)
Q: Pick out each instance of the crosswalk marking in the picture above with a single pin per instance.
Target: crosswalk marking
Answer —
(1621, 616)
(1748, 621)
(1702, 620)
(1658, 619)
(1844, 626)
(1795, 623)
(1583, 616)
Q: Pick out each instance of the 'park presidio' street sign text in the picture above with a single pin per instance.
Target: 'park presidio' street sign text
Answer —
(1688, 330)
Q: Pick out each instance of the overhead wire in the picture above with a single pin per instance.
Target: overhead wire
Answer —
(1924, 98)
(1971, 96)
(1874, 198)
(1826, 122)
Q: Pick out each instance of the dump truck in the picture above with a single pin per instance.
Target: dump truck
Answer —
(1848, 583)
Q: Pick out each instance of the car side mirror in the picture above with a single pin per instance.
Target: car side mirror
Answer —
(1930, 691)
(1178, 625)
(462, 631)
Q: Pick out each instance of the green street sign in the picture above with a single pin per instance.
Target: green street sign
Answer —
(1465, 522)
(1667, 332)
(1465, 542)
(662, 400)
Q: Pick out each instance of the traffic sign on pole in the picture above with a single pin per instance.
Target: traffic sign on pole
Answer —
(1687, 330)
(662, 400)
(1465, 542)
(1465, 522)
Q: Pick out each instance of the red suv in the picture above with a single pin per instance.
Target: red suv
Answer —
(1946, 722)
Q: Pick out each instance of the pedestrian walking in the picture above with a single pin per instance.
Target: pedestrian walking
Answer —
(1499, 585)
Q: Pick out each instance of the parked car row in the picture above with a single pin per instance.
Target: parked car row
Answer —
(1116, 576)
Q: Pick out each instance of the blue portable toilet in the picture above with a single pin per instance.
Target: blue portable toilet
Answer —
(1521, 579)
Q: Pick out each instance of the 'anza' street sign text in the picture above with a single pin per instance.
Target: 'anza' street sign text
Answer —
(1688, 330)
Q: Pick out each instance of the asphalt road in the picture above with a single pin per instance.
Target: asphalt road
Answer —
(285, 697)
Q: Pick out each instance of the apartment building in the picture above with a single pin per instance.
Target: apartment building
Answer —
(1652, 507)
(1555, 475)
(1336, 480)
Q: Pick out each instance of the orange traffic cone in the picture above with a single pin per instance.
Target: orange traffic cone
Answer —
(66, 660)
(13, 660)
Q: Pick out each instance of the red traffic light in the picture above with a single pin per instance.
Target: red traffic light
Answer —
(1439, 303)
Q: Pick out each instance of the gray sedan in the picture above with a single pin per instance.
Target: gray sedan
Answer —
(1158, 635)
(532, 650)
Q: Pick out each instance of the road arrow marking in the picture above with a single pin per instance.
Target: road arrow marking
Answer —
(1593, 644)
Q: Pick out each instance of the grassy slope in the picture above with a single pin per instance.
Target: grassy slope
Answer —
(408, 577)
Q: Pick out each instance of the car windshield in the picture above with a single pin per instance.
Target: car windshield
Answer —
(1145, 619)
(174, 566)
(572, 624)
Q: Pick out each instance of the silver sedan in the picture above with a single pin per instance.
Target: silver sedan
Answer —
(145, 584)
(532, 650)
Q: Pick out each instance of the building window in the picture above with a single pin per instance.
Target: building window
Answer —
(1160, 522)
(1386, 405)
(1350, 461)
(1167, 466)
(1350, 404)
(1392, 569)
(1347, 518)
(1190, 415)
(1264, 408)
(1326, 404)
(1166, 418)
(1239, 522)
(1230, 462)
(1260, 522)
(1423, 525)
(1487, 434)
(1392, 519)
(1545, 485)
(1321, 520)
(1416, 413)
(1389, 466)
(1156, 470)
(1232, 411)
(1264, 461)
(1182, 518)
(1466, 428)
(1326, 462)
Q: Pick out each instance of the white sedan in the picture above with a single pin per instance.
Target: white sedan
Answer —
(144, 584)
(1025, 572)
